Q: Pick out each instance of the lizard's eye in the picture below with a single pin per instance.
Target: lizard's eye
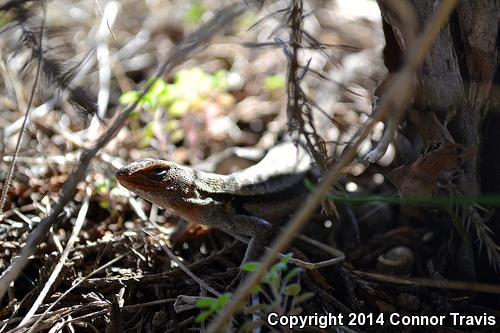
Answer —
(158, 173)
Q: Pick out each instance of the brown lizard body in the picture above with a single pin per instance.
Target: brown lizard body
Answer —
(241, 203)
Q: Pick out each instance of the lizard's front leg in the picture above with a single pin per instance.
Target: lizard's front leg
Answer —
(258, 229)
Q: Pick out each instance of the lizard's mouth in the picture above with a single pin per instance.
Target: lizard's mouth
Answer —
(135, 181)
(121, 173)
(125, 176)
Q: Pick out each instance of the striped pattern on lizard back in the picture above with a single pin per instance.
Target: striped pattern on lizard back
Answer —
(284, 166)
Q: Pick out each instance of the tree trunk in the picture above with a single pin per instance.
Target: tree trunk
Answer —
(459, 82)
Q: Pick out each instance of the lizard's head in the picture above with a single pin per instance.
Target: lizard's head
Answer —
(154, 180)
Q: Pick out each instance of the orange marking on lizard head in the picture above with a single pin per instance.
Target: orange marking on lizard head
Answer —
(164, 183)
(145, 175)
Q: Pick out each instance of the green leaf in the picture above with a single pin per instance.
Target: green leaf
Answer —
(286, 258)
(280, 266)
(172, 125)
(256, 289)
(134, 114)
(102, 185)
(129, 97)
(206, 302)
(219, 80)
(203, 316)
(168, 95)
(224, 298)
(255, 308)
(292, 290)
(251, 266)
(104, 204)
(159, 87)
(147, 134)
(148, 101)
(293, 273)
(274, 83)
(309, 185)
(177, 135)
(147, 131)
(179, 108)
(271, 276)
(194, 13)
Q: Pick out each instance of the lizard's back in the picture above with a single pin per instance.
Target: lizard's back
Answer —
(283, 167)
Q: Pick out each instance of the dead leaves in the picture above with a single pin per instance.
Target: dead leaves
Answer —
(420, 179)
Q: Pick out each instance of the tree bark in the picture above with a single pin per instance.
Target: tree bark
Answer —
(459, 82)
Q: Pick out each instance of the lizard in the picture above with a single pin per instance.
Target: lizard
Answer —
(246, 202)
